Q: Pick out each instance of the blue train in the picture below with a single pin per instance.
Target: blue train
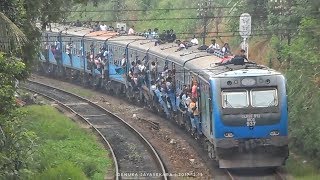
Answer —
(242, 109)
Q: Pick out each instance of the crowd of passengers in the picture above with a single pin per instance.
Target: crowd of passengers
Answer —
(166, 36)
(144, 74)
(163, 90)
(145, 80)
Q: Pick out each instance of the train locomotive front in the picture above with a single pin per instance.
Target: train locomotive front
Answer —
(249, 119)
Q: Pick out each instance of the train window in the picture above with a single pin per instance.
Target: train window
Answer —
(264, 97)
(235, 99)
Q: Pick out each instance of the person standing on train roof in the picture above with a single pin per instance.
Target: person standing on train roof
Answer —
(131, 31)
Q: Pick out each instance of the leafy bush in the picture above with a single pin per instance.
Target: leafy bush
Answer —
(65, 170)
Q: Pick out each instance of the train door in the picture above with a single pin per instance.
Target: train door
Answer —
(204, 107)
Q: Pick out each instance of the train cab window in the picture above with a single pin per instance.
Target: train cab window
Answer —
(264, 97)
(235, 99)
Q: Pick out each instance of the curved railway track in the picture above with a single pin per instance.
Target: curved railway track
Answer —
(255, 174)
(134, 157)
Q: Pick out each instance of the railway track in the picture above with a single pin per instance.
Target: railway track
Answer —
(255, 174)
(134, 157)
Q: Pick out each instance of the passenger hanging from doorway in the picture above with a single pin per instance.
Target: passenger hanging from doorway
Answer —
(144, 90)
(121, 70)
(163, 104)
(171, 95)
(194, 118)
(181, 100)
(194, 89)
(130, 76)
(153, 71)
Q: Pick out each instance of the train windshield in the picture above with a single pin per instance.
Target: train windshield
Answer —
(237, 99)
(264, 98)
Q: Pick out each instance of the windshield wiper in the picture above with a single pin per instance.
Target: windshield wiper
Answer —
(272, 103)
(228, 103)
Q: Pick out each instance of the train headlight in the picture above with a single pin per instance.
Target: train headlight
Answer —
(228, 134)
(274, 133)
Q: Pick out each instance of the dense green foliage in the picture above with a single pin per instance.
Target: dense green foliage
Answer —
(184, 26)
(16, 142)
(300, 169)
(64, 150)
(20, 38)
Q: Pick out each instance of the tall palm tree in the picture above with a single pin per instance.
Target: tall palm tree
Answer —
(11, 37)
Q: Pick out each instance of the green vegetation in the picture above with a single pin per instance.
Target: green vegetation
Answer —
(64, 150)
(16, 143)
(142, 24)
(301, 170)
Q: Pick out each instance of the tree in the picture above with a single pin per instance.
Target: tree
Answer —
(16, 143)
(12, 38)
(18, 19)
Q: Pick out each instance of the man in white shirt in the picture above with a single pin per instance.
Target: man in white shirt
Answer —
(131, 31)
(103, 27)
(194, 41)
(213, 47)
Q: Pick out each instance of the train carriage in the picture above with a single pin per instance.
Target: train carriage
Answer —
(243, 108)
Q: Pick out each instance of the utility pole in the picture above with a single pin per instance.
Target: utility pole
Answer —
(117, 10)
(203, 12)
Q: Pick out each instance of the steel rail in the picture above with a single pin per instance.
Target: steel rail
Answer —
(151, 149)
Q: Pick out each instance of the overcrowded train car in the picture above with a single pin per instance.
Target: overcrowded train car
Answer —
(238, 111)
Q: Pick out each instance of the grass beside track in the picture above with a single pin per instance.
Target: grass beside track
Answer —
(300, 169)
(64, 149)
